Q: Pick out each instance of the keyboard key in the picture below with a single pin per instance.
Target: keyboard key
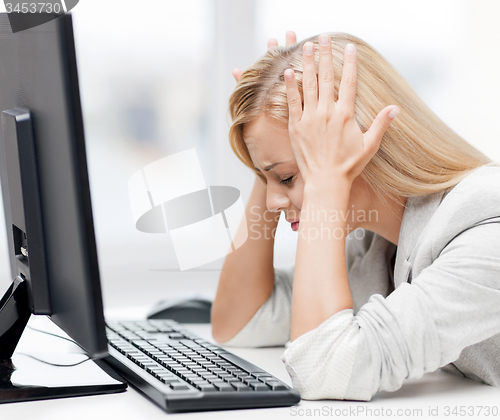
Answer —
(205, 373)
(178, 345)
(199, 380)
(149, 363)
(189, 343)
(261, 374)
(211, 347)
(240, 387)
(241, 363)
(167, 375)
(179, 387)
(207, 388)
(260, 387)
(218, 382)
(171, 380)
(276, 386)
(252, 382)
(158, 369)
(224, 387)
(211, 367)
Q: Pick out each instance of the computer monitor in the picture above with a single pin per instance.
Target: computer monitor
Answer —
(46, 194)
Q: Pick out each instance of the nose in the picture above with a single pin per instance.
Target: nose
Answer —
(276, 199)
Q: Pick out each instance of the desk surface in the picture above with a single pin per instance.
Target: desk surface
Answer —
(416, 398)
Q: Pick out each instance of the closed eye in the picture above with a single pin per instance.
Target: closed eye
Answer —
(286, 181)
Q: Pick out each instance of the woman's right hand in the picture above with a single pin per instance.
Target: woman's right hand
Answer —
(291, 38)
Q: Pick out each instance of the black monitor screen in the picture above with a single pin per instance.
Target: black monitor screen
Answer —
(38, 72)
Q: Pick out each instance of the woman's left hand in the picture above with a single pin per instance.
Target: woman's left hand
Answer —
(326, 138)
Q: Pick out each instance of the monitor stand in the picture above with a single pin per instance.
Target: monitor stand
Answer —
(29, 379)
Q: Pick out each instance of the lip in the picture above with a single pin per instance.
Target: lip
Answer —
(294, 224)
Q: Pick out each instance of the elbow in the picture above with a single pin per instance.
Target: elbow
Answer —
(219, 334)
(228, 320)
(218, 331)
(324, 368)
(308, 384)
(221, 331)
(324, 384)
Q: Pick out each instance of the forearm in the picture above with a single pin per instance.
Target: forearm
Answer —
(321, 286)
(247, 276)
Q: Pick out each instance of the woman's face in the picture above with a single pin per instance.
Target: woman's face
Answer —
(271, 151)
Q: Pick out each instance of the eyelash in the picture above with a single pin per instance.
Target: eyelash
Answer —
(286, 181)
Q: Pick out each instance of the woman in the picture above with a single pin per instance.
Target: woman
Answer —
(417, 286)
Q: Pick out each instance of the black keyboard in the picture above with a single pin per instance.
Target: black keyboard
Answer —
(182, 372)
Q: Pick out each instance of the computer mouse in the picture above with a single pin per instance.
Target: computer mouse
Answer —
(191, 309)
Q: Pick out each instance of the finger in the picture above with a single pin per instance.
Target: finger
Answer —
(326, 76)
(272, 42)
(309, 79)
(293, 97)
(237, 74)
(347, 90)
(380, 124)
(291, 38)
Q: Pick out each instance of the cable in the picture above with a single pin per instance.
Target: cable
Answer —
(58, 336)
(55, 364)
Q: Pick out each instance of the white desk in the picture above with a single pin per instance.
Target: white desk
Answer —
(436, 390)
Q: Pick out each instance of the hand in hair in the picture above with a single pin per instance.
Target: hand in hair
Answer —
(291, 38)
(326, 138)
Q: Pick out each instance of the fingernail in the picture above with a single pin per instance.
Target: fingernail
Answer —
(394, 112)
(350, 48)
(309, 48)
(289, 74)
(324, 39)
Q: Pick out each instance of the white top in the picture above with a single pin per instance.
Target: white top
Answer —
(440, 307)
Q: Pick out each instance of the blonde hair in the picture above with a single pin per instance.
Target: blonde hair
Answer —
(419, 154)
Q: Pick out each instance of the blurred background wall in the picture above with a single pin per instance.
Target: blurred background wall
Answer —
(155, 79)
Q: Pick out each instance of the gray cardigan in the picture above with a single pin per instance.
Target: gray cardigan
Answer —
(438, 308)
